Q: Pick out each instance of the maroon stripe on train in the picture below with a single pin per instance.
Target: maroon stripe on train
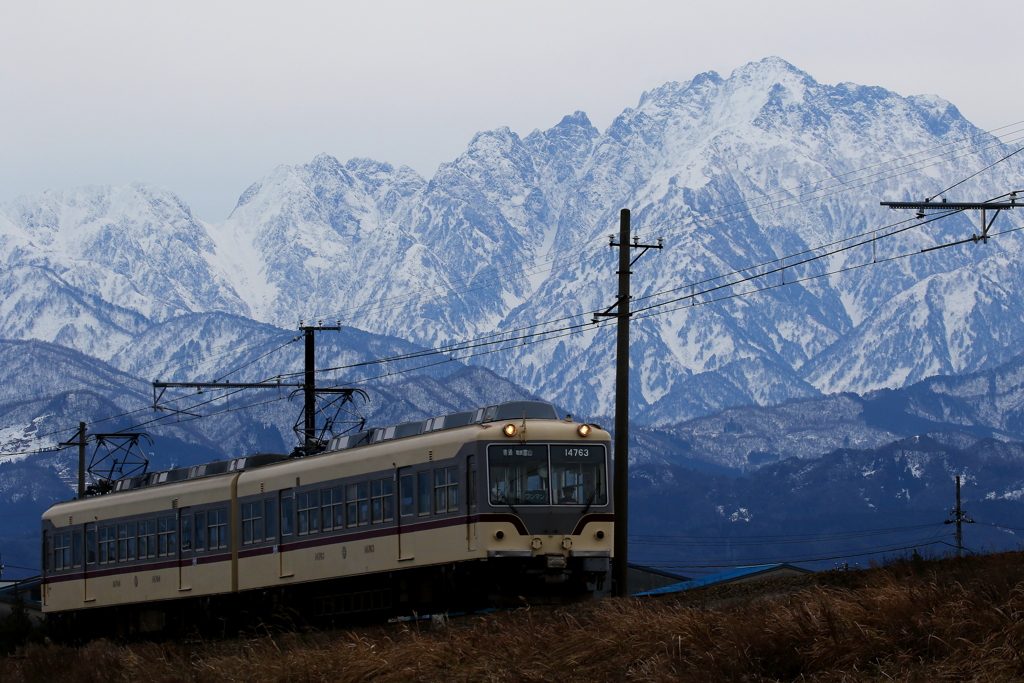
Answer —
(316, 541)
(594, 517)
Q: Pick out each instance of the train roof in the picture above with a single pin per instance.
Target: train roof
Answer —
(510, 410)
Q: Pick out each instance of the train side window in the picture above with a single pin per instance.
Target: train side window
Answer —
(423, 490)
(217, 528)
(471, 481)
(358, 502)
(270, 506)
(108, 545)
(406, 494)
(90, 546)
(333, 509)
(446, 489)
(61, 552)
(309, 512)
(352, 503)
(200, 531)
(76, 549)
(126, 542)
(147, 539)
(167, 536)
(252, 523)
(186, 532)
(382, 497)
(287, 513)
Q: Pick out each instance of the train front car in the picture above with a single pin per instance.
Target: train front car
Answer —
(546, 520)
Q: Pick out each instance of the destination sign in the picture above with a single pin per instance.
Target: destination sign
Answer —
(519, 451)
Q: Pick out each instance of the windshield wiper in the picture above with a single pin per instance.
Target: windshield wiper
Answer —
(590, 499)
(505, 499)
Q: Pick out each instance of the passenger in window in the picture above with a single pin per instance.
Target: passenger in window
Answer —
(568, 497)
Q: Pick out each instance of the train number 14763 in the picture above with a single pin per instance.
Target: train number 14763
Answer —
(577, 452)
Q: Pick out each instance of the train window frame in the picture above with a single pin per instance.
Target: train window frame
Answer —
(471, 481)
(287, 513)
(186, 532)
(446, 489)
(332, 509)
(62, 551)
(559, 481)
(425, 493)
(307, 507)
(91, 549)
(493, 492)
(149, 545)
(357, 504)
(410, 488)
(200, 531)
(552, 499)
(76, 549)
(382, 500)
(217, 518)
(126, 542)
(166, 536)
(107, 544)
(270, 519)
(252, 522)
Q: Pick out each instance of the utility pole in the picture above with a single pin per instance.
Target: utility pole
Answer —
(81, 457)
(310, 443)
(81, 460)
(309, 384)
(959, 517)
(620, 563)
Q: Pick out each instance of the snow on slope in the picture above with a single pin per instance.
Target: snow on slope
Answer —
(731, 171)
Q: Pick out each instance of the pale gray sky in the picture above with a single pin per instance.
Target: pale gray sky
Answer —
(207, 97)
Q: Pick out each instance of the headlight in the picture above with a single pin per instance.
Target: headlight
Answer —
(509, 429)
(583, 429)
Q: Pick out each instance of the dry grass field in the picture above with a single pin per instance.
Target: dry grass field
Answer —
(940, 620)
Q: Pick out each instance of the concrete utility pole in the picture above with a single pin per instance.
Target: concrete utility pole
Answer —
(81, 460)
(310, 443)
(620, 563)
(959, 518)
(81, 457)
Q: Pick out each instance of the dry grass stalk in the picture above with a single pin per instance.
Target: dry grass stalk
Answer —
(949, 620)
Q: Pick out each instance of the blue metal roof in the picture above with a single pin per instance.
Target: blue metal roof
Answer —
(720, 577)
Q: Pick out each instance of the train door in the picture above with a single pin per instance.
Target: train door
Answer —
(284, 557)
(186, 549)
(406, 512)
(471, 509)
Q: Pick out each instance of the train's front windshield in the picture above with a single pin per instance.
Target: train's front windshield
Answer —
(519, 475)
(577, 474)
(562, 474)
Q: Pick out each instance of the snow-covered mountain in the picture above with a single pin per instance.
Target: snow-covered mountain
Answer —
(732, 172)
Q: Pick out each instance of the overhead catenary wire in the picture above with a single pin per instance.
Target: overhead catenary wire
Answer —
(579, 327)
(573, 251)
(523, 340)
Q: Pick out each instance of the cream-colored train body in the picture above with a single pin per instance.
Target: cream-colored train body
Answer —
(416, 517)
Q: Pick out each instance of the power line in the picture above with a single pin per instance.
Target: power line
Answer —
(573, 252)
(524, 341)
(454, 348)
